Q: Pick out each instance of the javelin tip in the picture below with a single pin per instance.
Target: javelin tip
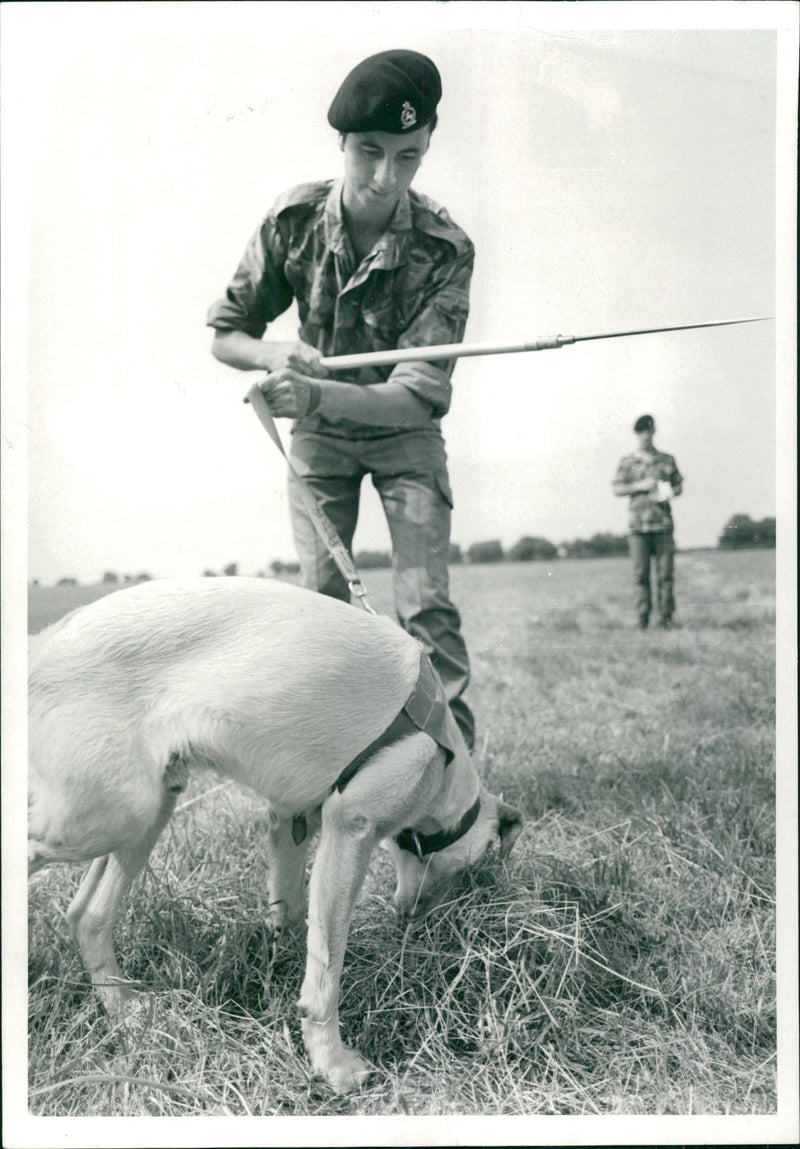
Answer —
(674, 327)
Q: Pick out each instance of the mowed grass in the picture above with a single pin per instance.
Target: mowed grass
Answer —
(622, 961)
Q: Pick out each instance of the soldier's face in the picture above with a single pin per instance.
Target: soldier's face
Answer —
(379, 168)
(645, 439)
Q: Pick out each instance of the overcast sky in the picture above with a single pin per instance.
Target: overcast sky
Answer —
(609, 178)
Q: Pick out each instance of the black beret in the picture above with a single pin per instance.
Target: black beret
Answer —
(395, 91)
(645, 423)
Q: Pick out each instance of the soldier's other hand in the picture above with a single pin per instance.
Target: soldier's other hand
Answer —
(289, 394)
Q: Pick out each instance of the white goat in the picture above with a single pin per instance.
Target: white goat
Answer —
(279, 689)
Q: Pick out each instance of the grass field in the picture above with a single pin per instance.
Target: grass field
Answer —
(622, 962)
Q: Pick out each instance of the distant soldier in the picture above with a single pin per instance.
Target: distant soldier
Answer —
(372, 266)
(651, 479)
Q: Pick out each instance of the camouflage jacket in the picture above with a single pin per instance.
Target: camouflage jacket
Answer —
(646, 514)
(411, 290)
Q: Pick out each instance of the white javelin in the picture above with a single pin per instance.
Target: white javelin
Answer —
(462, 350)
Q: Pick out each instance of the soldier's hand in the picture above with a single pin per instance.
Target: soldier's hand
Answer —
(290, 395)
(302, 357)
(306, 360)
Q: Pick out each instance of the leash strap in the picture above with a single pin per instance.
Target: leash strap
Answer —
(322, 524)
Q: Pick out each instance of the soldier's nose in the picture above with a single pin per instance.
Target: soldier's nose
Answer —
(384, 179)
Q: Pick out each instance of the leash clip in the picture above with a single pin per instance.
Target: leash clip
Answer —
(356, 587)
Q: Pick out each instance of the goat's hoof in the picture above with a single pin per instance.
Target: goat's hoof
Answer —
(135, 1011)
(408, 914)
(119, 996)
(280, 921)
(350, 1072)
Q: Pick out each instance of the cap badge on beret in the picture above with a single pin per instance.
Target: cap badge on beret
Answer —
(408, 116)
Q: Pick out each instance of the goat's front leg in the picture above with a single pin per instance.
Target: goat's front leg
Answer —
(287, 870)
(343, 855)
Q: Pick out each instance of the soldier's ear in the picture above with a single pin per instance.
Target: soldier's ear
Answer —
(342, 138)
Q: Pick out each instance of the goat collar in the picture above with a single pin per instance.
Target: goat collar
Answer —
(423, 844)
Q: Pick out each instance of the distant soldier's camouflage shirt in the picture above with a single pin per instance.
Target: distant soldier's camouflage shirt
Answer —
(646, 514)
(411, 290)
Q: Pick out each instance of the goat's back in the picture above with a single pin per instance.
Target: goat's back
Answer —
(277, 686)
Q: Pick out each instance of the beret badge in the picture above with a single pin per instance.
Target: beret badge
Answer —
(408, 115)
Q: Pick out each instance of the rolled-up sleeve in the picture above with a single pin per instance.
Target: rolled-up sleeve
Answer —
(622, 477)
(259, 291)
(442, 318)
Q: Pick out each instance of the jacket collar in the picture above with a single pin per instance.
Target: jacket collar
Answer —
(390, 250)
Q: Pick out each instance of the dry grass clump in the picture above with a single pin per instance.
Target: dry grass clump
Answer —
(534, 991)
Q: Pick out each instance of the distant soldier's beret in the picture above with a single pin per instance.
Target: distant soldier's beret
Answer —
(395, 91)
(645, 423)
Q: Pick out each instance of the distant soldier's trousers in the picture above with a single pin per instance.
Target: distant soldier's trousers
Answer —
(656, 548)
(409, 472)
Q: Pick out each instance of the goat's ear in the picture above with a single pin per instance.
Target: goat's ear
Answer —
(509, 826)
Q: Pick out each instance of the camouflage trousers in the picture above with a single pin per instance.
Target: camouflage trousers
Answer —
(658, 547)
(409, 472)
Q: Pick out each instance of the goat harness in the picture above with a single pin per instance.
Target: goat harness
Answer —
(425, 709)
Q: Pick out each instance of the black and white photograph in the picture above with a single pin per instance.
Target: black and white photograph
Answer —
(399, 573)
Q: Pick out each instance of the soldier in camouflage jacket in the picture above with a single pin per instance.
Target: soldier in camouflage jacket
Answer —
(372, 265)
(650, 478)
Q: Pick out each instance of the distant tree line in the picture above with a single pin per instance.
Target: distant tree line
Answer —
(741, 531)
(113, 577)
(531, 548)
(372, 560)
(598, 546)
(110, 578)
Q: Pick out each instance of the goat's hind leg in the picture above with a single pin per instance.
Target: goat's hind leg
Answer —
(95, 907)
